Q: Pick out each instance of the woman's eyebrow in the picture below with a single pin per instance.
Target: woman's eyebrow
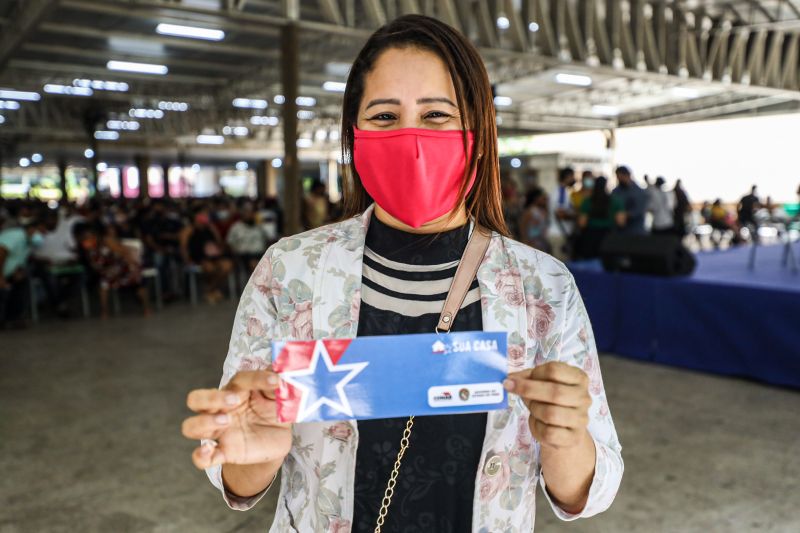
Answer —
(380, 101)
(395, 101)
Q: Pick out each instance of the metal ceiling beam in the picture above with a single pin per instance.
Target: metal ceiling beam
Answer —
(29, 14)
(330, 10)
(711, 112)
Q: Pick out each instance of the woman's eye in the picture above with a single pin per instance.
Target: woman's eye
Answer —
(383, 116)
(437, 115)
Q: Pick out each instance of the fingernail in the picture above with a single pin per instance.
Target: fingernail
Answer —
(206, 449)
(508, 384)
(231, 399)
(221, 419)
(272, 379)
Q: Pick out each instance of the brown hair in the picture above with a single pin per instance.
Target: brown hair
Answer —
(474, 100)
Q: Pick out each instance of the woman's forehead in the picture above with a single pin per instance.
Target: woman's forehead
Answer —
(408, 74)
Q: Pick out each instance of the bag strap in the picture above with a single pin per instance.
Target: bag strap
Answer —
(467, 269)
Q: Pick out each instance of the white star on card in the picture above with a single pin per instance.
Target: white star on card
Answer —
(310, 387)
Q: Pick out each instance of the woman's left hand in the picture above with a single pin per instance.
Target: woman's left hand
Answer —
(557, 395)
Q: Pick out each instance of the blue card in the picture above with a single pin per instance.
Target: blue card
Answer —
(390, 376)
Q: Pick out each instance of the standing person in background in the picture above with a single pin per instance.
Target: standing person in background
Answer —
(746, 211)
(562, 215)
(578, 196)
(16, 245)
(600, 214)
(681, 210)
(661, 206)
(633, 198)
(316, 206)
(534, 221)
(512, 207)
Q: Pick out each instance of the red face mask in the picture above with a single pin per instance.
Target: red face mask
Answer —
(414, 174)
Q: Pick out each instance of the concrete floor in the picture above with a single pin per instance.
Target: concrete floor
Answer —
(90, 440)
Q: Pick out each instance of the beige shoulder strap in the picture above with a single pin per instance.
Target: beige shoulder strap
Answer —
(465, 273)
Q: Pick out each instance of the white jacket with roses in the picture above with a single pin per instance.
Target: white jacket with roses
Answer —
(308, 286)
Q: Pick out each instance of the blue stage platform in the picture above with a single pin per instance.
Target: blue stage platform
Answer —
(723, 319)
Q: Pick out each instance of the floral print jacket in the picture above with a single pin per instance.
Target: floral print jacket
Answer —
(308, 287)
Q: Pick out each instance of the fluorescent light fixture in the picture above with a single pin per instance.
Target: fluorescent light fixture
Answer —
(88, 153)
(67, 89)
(195, 168)
(334, 86)
(9, 104)
(102, 167)
(334, 135)
(173, 106)
(306, 101)
(685, 92)
(210, 139)
(573, 79)
(304, 143)
(191, 32)
(36, 158)
(337, 68)
(143, 68)
(502, 101)
(605, 110)
(516, 163)
(239, 131)
(263, 121)
(247, 103)
(2, 119)
(305, 114)
(24, 162)
(533, 27)
(277, 163)
(503, 23)
(101, 85)
(242, 165)
(10, 94)
(130, 125)
(320, 135)
(103, 135)
(279, 99)
(146, 113)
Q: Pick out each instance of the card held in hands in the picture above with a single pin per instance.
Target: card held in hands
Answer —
(390, 376)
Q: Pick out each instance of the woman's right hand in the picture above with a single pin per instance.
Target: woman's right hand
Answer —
(241, 418)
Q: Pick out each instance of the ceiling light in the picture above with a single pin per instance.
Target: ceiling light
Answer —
(249, 104)
(191, 32)
(102, 167)
(503, 22)
(67, 89)
(334, 86)
(305, 114)
(210, 139)
(320, 135)
(304, 143)
(144, 68)
(130, 125)
(10, 105)
(36, 158)
(242, 165)
(195, 168)
(10, 94)
(334, 135)
(685, 92)
(146, 113)
(533, 27)
(103, 135)
(573, 79)
(502, 101)
(279, 99)
(605, 110)
(24, 162)
(173, 106)
(516, 163)
(100, 85)
(277, 163)
(88, 153)
(263, 121)
(2, 119)
(305, 101)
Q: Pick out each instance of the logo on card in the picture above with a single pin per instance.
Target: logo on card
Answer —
(443, 396)
(439, 347)
(463, 394)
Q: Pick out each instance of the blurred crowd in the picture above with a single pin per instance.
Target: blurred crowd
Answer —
(572, 221)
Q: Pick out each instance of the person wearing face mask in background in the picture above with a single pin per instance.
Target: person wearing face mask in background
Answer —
(421, 177)
(16, 245)
(247, 240)
(202, 245)
(634, 200)
(578, 196)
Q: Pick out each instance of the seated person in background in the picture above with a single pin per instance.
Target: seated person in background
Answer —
(16, 245)
(600, 214)
(722, 222)
(201, 245)
(247, 240)
(534, 222)
(161, 234)
(116, 266)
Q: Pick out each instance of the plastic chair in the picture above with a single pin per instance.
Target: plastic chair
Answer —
(193, 271)
(35, 283)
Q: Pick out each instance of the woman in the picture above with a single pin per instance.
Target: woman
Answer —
(201, 245)
(601, 213)
(535, 221)
(418, 87)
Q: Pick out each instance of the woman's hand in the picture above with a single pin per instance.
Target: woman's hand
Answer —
(241, 418)
(557, 395)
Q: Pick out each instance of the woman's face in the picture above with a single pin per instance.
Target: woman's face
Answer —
(408, 88)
